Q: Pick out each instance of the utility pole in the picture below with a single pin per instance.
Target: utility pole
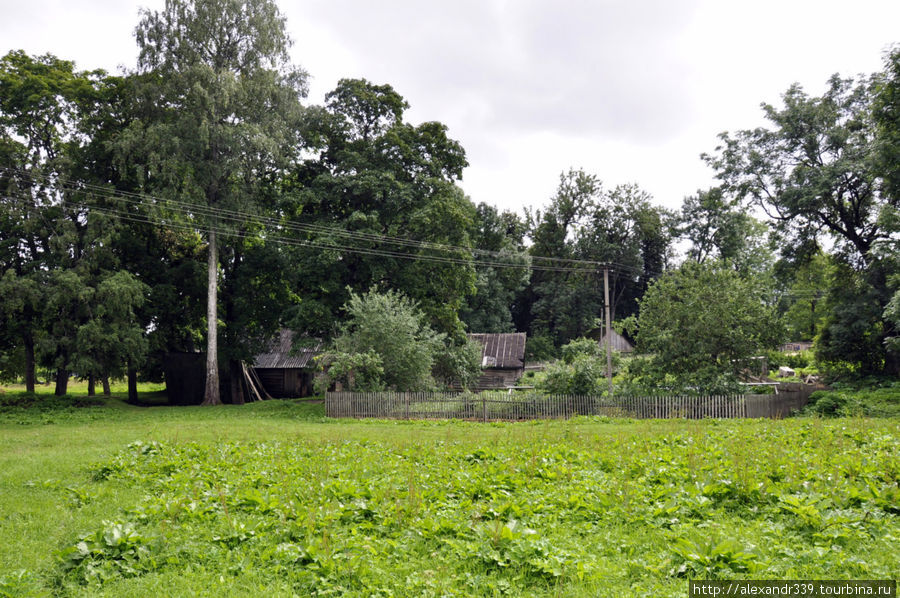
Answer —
(608, 330)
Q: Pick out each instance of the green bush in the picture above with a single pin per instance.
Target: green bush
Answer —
(585, 375)
(879, 399)
(539, 348)
(581, 347)
(829, 404)
(798, 360)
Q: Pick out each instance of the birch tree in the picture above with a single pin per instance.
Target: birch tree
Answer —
(226, 102)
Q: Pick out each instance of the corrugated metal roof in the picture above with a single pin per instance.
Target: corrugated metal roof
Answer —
(501, 350)
(281, 352)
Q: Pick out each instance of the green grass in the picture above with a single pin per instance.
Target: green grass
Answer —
(274, 499)
(118, 388)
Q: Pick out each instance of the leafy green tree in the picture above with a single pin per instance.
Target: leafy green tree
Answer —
(111, 340)
(892, 314)
(804, 302)
(38, 125)
(375, 179)
(385, 342)
(20, 304)
(719, 229)
(580, 371)
(886, 113)
(498, 237)
(625, 229)
(854, 337)
(584, 222)
(557, 303)
(814, 170)
(887, 119)
(458, 363)
(255, 294)
(226, 113)
(66, 303)
(700, 323)
(819, 169)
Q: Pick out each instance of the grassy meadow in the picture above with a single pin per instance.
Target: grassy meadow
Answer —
(275, 499)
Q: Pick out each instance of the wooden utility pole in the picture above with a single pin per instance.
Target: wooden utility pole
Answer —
(608, 331)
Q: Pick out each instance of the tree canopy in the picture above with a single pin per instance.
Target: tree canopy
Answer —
(226, 113)
(701, 323)
(200, 177)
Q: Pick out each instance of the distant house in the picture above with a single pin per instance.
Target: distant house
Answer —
(502, 359)
(285, 371)
(618, 342)
(796, 346)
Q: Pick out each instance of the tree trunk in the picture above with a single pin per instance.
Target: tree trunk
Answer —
(892, 363)
(62, 382)
(236, 381)
(92, 388)
(106, 390)
(132, 384)
(812, 315)
(211, 396)
(28, 341)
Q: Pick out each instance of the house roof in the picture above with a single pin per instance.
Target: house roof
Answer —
(501, 350)
(281, 352)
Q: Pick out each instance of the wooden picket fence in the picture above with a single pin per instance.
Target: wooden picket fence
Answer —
(501, 406)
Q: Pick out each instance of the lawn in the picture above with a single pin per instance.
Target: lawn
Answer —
(274, 499)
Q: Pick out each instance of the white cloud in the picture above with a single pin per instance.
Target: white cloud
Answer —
(633, 91)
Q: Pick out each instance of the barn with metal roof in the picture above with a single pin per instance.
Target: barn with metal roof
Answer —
(502, 359)
(287, 367)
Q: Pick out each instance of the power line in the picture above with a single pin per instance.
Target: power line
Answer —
(243, 218)
(237, 216)
(281, 239)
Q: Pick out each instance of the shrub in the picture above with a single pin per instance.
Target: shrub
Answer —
(385, 343)
(829, 404)
(584, 375)
(539, 348)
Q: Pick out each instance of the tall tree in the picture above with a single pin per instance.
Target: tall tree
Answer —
(803, 303)
(227, 110)
(619, 227)
(497, 237)
(110, 340)
(557, 303)
(35, 112)
(887, 119)
(719, 229)
(699, 323)
(374, 200)
(817, 170)
(44, 104)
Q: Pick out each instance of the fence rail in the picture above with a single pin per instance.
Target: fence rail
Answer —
(495, 406)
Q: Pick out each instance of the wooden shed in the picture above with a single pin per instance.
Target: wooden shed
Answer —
(502, 359)
(618, 342)
(286, 371)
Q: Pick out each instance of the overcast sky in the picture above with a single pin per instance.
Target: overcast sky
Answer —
(632, 91)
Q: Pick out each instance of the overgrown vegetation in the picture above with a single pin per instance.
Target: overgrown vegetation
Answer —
(151, 501)
(200, 176)
(867, 398)
(386, 343)
(699, 324)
